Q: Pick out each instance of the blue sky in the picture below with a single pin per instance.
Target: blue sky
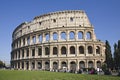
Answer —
(103, 14)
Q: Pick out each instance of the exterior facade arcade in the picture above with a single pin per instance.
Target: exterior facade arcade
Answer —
(53, 41)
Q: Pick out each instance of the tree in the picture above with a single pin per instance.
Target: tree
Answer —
(117, 54)
(108, 54)
(2, 64)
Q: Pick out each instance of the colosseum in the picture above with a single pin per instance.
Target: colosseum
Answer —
(56, 41)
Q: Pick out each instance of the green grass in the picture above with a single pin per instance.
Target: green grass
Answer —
(45, 75)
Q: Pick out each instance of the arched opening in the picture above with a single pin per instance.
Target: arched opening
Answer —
(90, 64)
(80, 35)
(33, 65)
(63, 50)
(72, 50)
(55, 51)
(28, 40)
(81, 64)
(98, 64)
(55, 65)
(55, 36)
(63, 35)
(88, 35)
(40, 38)
(72, 35)
(27, 65)
(97, 50)
(34, 39)
(73, 66)
(90, 50)
(81, 49)
(39, 65)
(47, 36)
(46, 65)
(39, 51)
(63, 64)
(22, 65)
(47, 51)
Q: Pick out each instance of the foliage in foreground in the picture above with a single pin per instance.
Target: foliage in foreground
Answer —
(44, 75)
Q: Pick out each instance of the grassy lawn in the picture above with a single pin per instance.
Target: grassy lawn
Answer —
(45, 75)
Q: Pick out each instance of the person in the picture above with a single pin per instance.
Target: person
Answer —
(98, 70)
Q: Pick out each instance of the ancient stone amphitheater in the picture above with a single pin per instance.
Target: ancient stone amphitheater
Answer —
(56, 41)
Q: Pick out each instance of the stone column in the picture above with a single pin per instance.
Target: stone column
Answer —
(68, 65)
(51, 51)
(59, 37)
(86, 50)
(36, 65)
(43, 51)
(36, 52)
(29, 65)
(43, 65)
(24, 65)
(51, 36)
(30, 53)
(76, 35)
(59, 51)
(77, 65)
(94, 50)
(67, 35)
(31, 40)
(76, 50)
(43, 37)
(37, 38)
(68, 51)
(51, 66)
(95, 66)
(59, 64)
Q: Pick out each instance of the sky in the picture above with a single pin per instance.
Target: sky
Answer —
(103, 14)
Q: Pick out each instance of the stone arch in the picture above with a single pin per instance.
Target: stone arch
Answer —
(47, 36)
(81, 49)
(90, 50)
(63, 36)
(55, 50)
(63, 50)
(47, 51)
(40, 38)
(90, 64)
(80, 35)
(63, 64)
(71, 35)
(33, 65)
(88, 35)
(73, 66)
(55, 65)
(98, 64)
(81, 64)
(39, 65)
(55, 36)
(47, 65)
(97, 50)
(72, 50)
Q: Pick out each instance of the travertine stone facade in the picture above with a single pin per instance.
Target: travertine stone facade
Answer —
(56, 41)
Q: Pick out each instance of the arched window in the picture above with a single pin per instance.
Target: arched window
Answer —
(81, 64)
(64, 64)
(73, 66)
(55, 65)
(39, 51)
(97, 50)
(47, 36)
(71, 19)
(63, 36)
(28, 40)
(90, 64)
(33, 65)
(55, 36)
(88, 35)
(40, 38)
(55, 51)
(46, 65)
(72, 50)
(47, 51)
(98, 64)
(39, 65)
(63, 50)
(81, 49)
(90, 50)
(34, 39)
(80, 35)
(72, 35)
